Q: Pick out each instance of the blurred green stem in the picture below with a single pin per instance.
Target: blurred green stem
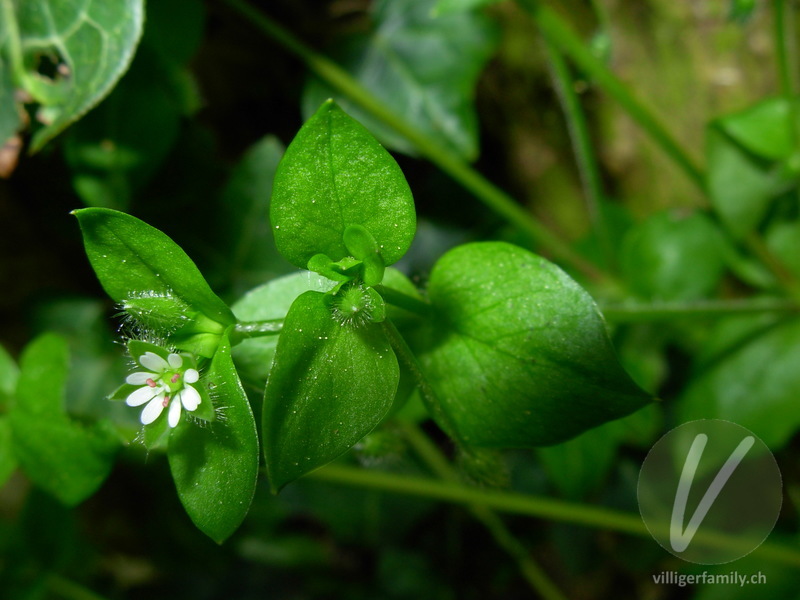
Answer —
(582, 146)
(438, 463)
(251, 329)
(69, 590)
(785, 47)
(525, 504)
(561, 35)
(402, 300)
(446, 160)
(699, 309)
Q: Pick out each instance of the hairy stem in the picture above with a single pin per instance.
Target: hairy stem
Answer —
(489, 194)
(254, 329)
(404, 301)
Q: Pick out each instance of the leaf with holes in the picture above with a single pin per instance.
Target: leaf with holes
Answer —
(518, 353)
(68, 54)
(334, 175)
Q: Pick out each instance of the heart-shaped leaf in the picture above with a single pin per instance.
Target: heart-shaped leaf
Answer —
(518, 352)
(331, 383)
(215, 466)
(335, 174)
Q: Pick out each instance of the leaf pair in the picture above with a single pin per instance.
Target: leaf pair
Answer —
(214, 465)
(340, 207)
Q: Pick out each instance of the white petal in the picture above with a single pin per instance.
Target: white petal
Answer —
(189, 398)
(142, 395)
(139, 378)
(175, 360)
(174, 412)
(152, 361)
(153, 409)
(191, 376)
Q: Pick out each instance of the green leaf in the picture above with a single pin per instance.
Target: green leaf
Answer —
(117, 148)
(9, 111)
(517, 352)
(331, 383)
(8, 460)
(765, 129)
(133, 259)
(669, 257)
(66, 459)
(244, 219)
(783, 239)
(270, 301)
(741, 186)
(580, 465)
(754, 383)
(92, 43)
(421, 66)
(445, 7)
(215, 467)
(335, 174)
(9, 373)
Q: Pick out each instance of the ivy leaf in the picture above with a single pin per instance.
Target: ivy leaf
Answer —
(518, 352)
(335, 174)
(62, 457)
(331, 383)
(396, 63)
(754, 382)
(88, 44)
(215, 467)
(136, 261)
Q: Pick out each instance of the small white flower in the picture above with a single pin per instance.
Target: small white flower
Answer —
(166, 384)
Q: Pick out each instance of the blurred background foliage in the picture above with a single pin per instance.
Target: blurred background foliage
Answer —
(188, 141)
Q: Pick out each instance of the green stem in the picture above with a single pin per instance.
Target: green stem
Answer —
(445, 159)
(406, 356)
(788, 281)
(784, 47)
(254, 329)
(700, 309)
(561, 35)
(405, 301)
(69, 590)
(438, 463)
(524, 504)
(582, 146)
